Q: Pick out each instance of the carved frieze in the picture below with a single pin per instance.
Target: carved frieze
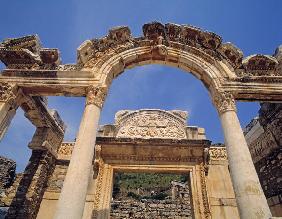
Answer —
(158, 36)
(96, 95)
(217, 153)
(232, 54)
(150, 124)
(224, 101)
(262, 146)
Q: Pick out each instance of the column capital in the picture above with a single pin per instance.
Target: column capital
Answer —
(96, 95)
(223, 101)
(7, 93)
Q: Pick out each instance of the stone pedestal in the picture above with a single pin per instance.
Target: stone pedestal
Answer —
(72, 199)
(250, 198)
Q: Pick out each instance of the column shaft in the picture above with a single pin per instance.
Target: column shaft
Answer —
(73, 195)
(250, 198)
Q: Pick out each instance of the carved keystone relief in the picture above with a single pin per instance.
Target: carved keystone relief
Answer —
(151, 124)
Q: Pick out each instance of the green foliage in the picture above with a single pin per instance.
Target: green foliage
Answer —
(160, 183)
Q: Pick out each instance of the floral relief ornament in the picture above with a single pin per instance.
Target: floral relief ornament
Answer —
(224, 101)
(96, 95)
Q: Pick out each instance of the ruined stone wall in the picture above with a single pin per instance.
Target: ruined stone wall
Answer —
(56, 180)
(7, 176)
(7, 172)
(25, 195)
(264, 137)
(177, 206)
(148, 209)
(269, 171)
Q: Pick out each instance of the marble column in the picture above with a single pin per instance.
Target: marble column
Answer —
(8, 106)
(250, 198)
(73, 195)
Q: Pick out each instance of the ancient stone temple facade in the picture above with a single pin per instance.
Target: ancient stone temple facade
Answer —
(264, 137)
(146, 141)
(33, 72)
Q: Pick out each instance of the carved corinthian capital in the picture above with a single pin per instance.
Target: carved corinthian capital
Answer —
(96, 95)
(6, 92)
(224, 101)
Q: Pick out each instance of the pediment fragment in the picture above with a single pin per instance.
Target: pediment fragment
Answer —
(260, 65)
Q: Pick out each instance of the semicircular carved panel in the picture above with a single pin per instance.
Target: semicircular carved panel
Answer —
(151, 124)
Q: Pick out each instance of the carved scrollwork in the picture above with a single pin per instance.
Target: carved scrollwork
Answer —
(96, 95)
(224, 101)
(205, 199)
(150, 124)
(6, 92)
(217, 153)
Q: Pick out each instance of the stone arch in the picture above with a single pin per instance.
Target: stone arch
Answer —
(189, 48)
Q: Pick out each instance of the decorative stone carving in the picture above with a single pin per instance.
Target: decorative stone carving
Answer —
(260, 65)
(194, 36)
(96, 95)
(98, 191)
(120, 34)
(66, 148)
(98, 161)
(68, 67)
(153, 31)
(205, 199)
(6, 92)
(217, 153)
(173, 31)
(84, 51)
(232, 54)
(150, 124)
(224, 101)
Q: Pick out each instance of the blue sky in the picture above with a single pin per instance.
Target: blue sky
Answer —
(254, 26)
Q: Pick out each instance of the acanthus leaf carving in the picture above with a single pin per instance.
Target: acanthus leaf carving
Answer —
(224, 101)
(96, 95)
